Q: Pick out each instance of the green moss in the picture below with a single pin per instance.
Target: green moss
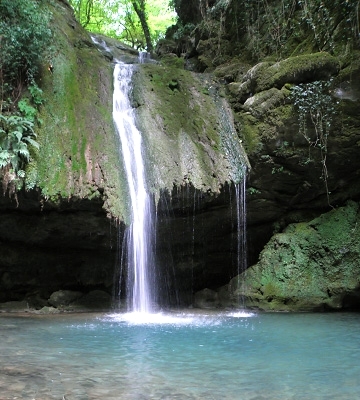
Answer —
(172, 61)
(306, 46)
(297, 69)
(78, 145)
(173, 101)
(185, 124)
(308, 261)
(249, 131)
(270, 290)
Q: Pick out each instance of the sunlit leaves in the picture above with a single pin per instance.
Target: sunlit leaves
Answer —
(24, 33)
(118, 19)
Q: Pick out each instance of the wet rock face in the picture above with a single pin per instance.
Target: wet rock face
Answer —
(49, 251)
(46, 247)
(301, 141)
(196, 243)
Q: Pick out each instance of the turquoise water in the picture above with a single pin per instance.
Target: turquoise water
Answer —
(181, 356)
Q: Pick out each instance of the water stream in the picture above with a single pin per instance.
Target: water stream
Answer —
(140, 291)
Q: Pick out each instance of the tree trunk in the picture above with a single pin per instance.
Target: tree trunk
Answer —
(139, 7)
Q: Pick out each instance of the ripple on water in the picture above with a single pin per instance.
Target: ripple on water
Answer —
(181, 355)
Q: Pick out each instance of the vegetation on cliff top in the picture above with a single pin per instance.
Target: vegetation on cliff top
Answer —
(24, 38)
(138, 23)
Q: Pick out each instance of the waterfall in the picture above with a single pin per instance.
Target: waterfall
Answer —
(240, 191)
(139, 236)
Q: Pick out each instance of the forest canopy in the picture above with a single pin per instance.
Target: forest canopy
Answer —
(139, 23)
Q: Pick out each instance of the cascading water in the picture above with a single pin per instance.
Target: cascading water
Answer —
(240, 191)
(240, 164)
(140, 292)
(137, 259)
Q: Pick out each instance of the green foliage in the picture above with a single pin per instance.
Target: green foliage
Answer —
(16, 133)
(36, 94)
(276, 28)
(24, 35)
(275, 170)
(120, 19)
(182, 30)
(324, 16)
(314, 102)
(160, 16)
(28, 106)
(253, 191)
(27, 110)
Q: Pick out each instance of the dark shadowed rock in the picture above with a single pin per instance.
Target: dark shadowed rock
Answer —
(64, 297)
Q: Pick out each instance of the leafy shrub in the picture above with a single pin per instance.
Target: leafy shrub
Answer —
(24, 34)
(27, 109)
(16, 133)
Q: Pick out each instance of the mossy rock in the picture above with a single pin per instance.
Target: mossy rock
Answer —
(299, 69)
(249, 132)
(310, 266)
(208, 49)
(232, 71)
(166, 46)
(181, 116)
(173, 61)
(261, 103)
(302, 68)
(78, 155)
(243, 90)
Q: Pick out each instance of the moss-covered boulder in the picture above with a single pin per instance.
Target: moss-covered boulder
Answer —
(294, 70)
(261, 103)
(187, 128)
(298, 69)
(310, 266)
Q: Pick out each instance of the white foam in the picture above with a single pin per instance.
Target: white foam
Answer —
(241, 314)
(182, 318)
(139, 318)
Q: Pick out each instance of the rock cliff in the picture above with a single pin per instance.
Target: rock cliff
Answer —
(310, 266)
(64, 230)
(294, 90)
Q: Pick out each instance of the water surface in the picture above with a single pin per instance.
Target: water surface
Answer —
(180, 356)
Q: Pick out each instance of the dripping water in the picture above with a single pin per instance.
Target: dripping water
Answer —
(240, 194)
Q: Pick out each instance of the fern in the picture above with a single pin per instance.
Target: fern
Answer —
(16, 134)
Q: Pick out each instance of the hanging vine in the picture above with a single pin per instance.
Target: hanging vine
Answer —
(315, 105)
